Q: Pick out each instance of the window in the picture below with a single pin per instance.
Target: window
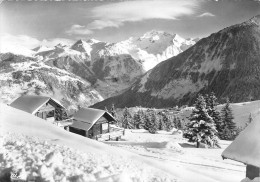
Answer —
(105, 128)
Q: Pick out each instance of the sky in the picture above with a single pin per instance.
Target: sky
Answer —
(31, 23)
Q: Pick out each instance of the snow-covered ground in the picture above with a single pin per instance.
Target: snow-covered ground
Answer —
(36, 149)
(180, 158)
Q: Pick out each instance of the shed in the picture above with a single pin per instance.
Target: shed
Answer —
(246, 149)
(94, 123)
(42, 106)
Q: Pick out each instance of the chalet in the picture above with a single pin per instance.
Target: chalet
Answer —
(44, 107)
(246, 149)
(95, 124)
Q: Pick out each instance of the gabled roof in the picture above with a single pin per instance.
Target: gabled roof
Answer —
(85, 118)
(32, 103)
(246, 147)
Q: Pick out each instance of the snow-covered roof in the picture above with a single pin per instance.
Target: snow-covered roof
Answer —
(32, 103)
(246, 147)
(85, 118)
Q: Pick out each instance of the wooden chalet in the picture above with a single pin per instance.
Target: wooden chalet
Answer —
(246, 149)
(44, 107)
(95, 124)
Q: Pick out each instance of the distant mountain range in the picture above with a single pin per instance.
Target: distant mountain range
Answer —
(226, 62)
(112, 67)
(90, 69)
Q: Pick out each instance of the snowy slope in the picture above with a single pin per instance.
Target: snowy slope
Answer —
(16, 49)
(40, 150)
(51, 152)
(181, 158)
(241, 111)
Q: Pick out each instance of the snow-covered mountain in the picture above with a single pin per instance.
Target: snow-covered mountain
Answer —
(226, 62)
(23, 75)
(110, 68)
(154, 47)
(113, 67)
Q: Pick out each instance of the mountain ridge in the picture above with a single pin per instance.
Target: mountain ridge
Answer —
(226, 62)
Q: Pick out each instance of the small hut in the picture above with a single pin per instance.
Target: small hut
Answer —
(44, 107)
(95, 124)
(246, 149)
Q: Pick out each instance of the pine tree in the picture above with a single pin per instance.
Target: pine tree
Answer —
(127, 119)
(153, 123)
(166, 122)
(201, 127)
(139, 119)
(230, 128)
(211, 103)
(178, 123)
(113, 113)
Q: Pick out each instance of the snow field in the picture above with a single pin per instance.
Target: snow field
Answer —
(182, 159)
(36, 150)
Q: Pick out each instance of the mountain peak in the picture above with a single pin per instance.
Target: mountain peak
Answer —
(41, 48)
(60, 45)
(82, 46)
(154, 33)
(92, 41)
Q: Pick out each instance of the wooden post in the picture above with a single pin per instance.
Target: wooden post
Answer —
(198, 144)
(54, 114)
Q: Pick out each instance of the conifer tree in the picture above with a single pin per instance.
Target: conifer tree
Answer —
(113, 113)
(201, 127)
(139, 119)
(127, 119)
(230, 128)
(152, 125)
(167, 124)
(211, 103)
(178, 123)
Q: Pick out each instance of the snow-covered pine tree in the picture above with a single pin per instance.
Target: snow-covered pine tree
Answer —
(127, 119)
(161, 124)
(153, 123)
(139, 119)
(167, 122)
(211, 103)
(201, 127)
(113, 113)
(230, 128)
(178, 123)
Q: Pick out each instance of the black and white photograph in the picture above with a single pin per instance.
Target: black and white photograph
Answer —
(129, 90)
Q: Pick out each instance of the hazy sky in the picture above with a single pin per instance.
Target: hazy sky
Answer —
(30, 23)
